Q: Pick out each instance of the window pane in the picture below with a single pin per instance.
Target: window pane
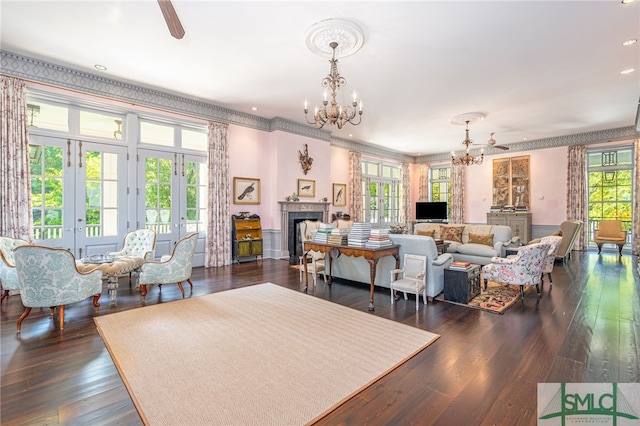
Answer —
(47, 116)
(100, 125)
(194, 140)
(156, 134)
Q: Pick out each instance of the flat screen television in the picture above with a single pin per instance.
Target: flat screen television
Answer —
(431, 210)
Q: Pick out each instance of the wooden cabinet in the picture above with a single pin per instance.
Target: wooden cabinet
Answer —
(520, 223)
(246, 234)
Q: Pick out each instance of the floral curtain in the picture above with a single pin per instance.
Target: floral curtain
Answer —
(423, 183)
(457, 194)
(355, 178)
(635, 227)
(15, 183)
(218, 244)
(405, 196)
(577, 191)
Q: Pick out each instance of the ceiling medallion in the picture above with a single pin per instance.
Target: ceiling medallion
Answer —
(468, 117)
(348, 36)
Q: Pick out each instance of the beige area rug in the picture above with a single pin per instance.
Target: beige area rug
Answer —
(262, 355)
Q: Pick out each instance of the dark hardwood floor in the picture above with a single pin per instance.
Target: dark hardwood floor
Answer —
(483, 370)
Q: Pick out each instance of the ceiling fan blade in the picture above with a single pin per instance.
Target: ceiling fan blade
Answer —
(502, 147)
(171, 17)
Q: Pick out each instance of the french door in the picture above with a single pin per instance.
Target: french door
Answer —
(78, 194)
(172, 198)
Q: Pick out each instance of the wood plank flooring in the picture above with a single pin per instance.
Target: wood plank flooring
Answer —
(484, 369)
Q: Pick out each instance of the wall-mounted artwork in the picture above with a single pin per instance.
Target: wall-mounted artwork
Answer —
(246, 190)
(306, 188)
(511, 182)
(339, 194)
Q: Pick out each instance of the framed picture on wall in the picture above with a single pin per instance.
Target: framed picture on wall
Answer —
(306, 188)
(339, 194)
(246, 190)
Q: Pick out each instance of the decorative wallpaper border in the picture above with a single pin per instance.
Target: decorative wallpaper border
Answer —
(40, 71)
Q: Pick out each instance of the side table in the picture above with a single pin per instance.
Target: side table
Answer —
(460, 286)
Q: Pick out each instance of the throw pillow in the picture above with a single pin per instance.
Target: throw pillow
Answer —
(451, 233)
(481, 239)
(557, 233)
(426, 233)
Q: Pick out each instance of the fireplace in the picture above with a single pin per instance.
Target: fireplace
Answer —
(292, 214)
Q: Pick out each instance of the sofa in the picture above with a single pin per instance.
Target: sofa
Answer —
(469, 243)
(357, 268)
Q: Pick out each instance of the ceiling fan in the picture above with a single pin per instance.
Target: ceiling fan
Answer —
(171, 17)
(491, 143)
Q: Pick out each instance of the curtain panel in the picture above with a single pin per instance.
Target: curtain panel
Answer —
(15, 181)
(457, 193)
(577, 191)
(423, 183)
(405, 200)
(218, 243)
(355, 180)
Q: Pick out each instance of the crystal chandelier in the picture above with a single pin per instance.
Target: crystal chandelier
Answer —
(336, 114)
(467, 159)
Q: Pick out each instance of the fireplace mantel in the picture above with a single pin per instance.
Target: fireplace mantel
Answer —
(296, 207)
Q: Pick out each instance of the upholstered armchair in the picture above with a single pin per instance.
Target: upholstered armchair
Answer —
(138, 243)
(317, 264)
(48, 277)
(525, 268)
(8, 274)
(554, 242)
(610, 232)
(413, 279)
(173, 268)
(569, 231)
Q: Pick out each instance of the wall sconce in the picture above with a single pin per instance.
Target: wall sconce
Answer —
(118, 132)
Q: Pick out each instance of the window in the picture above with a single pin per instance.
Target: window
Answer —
(440, 185)
(156, 134)
(47, 116)
(381, 185)
(101, 125)
(610, 187)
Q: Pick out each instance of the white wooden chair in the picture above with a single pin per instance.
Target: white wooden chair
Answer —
(317, 264)
(413, 278)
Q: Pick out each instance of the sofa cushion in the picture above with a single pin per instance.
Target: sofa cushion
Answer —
(426, 233)
(477, 250)
(451, 233)
(481, 239)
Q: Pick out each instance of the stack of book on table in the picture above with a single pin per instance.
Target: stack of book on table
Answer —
(359, 234)
(461, 266)
(378, 238)
(338, 236)
(323, 232)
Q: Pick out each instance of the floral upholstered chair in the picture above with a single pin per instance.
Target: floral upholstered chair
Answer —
(138, 243)
(48, 278)
(554, 244)
(413, 278)
(173, 268)
(525, 268)
(8, 274)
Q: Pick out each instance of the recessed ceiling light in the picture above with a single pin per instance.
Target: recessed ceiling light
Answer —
(100, 67)
(525, 139)
(630, 42)
(254, 108)
(350, 135)
(627, 71)
(627, 1)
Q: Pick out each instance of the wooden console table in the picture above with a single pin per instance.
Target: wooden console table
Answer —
(372, 255)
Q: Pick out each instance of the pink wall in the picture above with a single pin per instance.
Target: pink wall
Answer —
(548, 177)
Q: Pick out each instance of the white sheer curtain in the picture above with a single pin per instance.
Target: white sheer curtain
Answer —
(15, 182)
(457, 193)
(355, 178)
(423, 183)
(636, 197)
(218, 245)
(577, 191)
(405, 196)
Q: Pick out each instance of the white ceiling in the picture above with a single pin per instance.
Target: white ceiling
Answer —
(537, 69)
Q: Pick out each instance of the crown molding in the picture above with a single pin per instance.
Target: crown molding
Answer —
(599, 136)
(279, 123)
(370, 150)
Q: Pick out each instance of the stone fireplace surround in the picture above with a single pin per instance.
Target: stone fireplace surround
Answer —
(293, 212)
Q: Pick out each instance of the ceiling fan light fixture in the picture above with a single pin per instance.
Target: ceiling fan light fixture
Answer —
(630, 42)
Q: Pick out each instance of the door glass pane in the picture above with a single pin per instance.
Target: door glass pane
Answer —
(101, 194)
(158, 195)
(46, 192)
(196, 191)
